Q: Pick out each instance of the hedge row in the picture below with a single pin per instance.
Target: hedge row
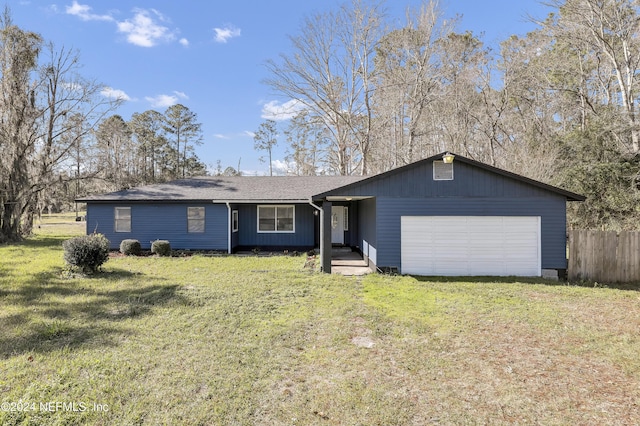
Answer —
(89, 252)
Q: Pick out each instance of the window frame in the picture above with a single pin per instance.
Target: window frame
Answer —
(275, 218)
(439, 176)
(234, 221)
(345, 219)
(118, 221)
(192, 221)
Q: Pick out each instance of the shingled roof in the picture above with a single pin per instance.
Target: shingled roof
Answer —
(234, 189)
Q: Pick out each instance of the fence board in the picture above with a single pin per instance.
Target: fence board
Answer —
(604, 256)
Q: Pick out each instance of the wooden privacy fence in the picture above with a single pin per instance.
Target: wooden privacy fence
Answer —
(605, 256)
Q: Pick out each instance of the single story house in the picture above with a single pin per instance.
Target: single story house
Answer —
(444, 215)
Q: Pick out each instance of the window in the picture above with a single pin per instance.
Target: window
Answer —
(442, 170)
(345, 222)
(122, 219)
(195, 219)
(234, 221)
(276, 218)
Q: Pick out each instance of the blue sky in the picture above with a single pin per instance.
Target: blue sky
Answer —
(209, 55)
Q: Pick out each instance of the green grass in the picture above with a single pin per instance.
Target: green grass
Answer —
(260, 340)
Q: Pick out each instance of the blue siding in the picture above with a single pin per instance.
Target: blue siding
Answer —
(474, 191)
(151, 222)
(235, 236)
(551, 209)
(367, 223)
(352, 236)
(248, 235)
(469, 181)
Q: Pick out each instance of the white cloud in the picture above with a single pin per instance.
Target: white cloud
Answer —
(83, 12)
(254, 173)
(281, 167)
(165, 101)
(234, 135)
(72, 86)
(115, 94)
(143, 30)
(162, 101)
(274, 110)
(224, 34)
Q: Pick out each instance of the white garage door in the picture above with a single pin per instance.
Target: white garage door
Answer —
(470, 245)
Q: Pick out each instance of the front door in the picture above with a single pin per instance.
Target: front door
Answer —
(337, 225)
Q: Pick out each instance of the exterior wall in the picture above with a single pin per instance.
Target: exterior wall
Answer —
(151, 222)
(550, 208)
(367, 224)
(352, 236)
(248, 236)
(235, 236)
(468, 181)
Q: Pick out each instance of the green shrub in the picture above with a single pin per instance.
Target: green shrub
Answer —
(87, 253)
(161, 248)
(130, 247)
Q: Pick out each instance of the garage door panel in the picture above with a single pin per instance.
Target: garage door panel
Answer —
(454, 247)
(447, 267)
(485, 268)
(485, 257)
(421, 252)
(485, 244)
(470, 245)
(520, 250)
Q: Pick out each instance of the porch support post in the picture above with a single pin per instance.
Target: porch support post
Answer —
(325, 237)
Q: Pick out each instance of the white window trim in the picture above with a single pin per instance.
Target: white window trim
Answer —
(275, 206)
(235, 224)
(115, 220)
(204, 220)
(434, 170)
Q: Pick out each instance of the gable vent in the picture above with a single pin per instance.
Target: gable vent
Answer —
(442, 170)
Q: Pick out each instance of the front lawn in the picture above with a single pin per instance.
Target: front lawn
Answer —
(260, 340)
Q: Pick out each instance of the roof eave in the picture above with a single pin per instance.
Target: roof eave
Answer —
(200, 201)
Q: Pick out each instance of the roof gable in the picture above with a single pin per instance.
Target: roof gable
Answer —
(471, 178)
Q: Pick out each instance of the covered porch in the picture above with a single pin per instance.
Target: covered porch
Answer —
(344, 261)
(344, 228)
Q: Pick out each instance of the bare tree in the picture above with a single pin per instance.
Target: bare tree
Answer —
(19, 52)
(71, 107)
(265, 138)
(330, 71)
(307, 142)
(610, 29)
(114, 144)
(408, 82)
(182, 124)
(148, 130)
(457, 113)
(46, 110)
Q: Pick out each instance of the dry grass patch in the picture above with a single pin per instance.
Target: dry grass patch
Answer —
(260, 340)
(521, 353)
